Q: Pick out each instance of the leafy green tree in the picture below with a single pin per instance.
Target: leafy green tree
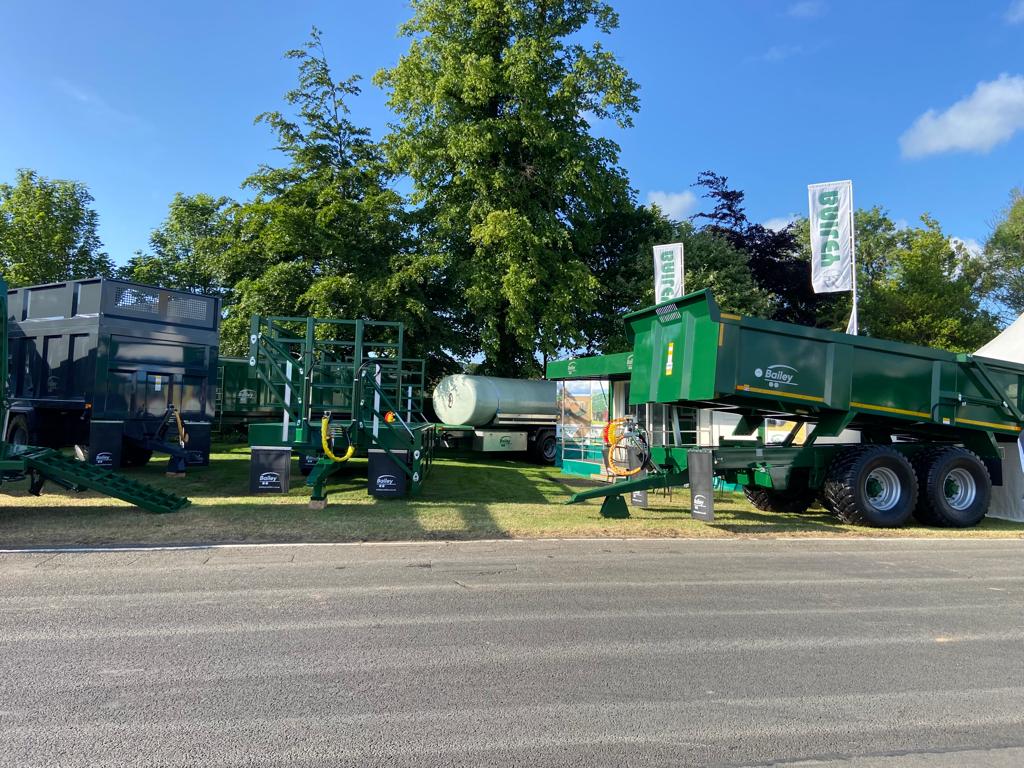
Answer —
(1004, 259)
(929, 292)
(494, 99)
(780, 267)
(48, 231)
(915, 285)
(326, 234)
(187, 247)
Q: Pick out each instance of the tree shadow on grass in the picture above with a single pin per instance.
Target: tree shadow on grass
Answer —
(752, 521)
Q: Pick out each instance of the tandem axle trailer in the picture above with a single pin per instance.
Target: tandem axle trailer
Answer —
(932, 425)
(117, 369)
(39, 465)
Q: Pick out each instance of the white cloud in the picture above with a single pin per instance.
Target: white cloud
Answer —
(781, 53)
(94, 103)
(1015, 13)
(973, 246)
(977, 123)
(806, 9)
(676, 205)
(779, 223)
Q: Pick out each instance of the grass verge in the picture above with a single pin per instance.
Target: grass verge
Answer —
(462, 499)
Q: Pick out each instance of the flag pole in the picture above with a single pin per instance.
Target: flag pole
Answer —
(852, 327)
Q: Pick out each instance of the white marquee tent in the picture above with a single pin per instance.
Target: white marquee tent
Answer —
(1008, 498)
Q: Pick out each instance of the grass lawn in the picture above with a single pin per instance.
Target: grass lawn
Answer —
(462, 499)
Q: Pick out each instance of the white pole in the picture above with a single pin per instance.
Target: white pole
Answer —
(852, 327)
(287, 400)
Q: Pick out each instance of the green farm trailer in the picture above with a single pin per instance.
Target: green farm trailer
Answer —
(40, 465)
(342, 388)
(929, 426)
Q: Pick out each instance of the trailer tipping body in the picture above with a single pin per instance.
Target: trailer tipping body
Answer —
(917, 408)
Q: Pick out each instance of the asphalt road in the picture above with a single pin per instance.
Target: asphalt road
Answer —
(594, 653)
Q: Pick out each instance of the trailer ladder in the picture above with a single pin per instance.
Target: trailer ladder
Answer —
(77, 475)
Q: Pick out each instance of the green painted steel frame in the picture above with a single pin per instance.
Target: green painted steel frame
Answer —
(687, 351)
(356, 377)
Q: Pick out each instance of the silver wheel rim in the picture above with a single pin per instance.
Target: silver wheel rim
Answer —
(960, 489)
(883, 489)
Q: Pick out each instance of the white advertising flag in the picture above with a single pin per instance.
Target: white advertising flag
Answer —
(831, 236)
(668, 272)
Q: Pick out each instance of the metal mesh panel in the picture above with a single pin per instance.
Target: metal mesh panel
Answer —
(188, 308)
(137, 299)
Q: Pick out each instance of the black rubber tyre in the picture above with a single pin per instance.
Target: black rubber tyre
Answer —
(545, 448)
(769, 500)
(133, 456)
(17, 430)
(955, 487)
(871, 485)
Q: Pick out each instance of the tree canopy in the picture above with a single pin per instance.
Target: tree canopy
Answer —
(186, 248)
(494, 100)
(48, 231)
(522, 237)
(1004, 259)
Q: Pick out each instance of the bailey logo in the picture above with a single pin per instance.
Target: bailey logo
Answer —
(387, 483)
(571, 367)
(700, 502)
(103, 457)
(270, 478)
(505, 441)
(247, 395)
(778, 374)
(629, 362)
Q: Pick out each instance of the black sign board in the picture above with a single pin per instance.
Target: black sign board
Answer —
(702, 489)
(270, 470)
(384, 477)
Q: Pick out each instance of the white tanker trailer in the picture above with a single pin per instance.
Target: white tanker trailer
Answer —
(489, 414)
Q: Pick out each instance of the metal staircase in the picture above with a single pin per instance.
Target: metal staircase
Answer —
(355, 372)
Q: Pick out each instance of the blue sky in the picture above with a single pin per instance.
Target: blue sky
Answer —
(920, 102)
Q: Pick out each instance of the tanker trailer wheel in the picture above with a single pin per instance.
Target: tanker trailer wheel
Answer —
(793, 500)
(871, 485)
(955, 487)
(17, 430)
(545, 448)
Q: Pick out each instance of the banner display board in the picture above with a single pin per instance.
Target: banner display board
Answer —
(668, 272)
(831, 207)
(701, 463)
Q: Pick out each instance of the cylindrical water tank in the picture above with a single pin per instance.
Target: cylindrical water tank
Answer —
(477, 400)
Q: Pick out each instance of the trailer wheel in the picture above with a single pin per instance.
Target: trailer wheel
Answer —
(545, 448)
(17, 430)
(769, 500)
(133, 456)
(955, 487)
(871, 485)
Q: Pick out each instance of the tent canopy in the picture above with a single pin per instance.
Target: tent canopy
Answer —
(1008, 345)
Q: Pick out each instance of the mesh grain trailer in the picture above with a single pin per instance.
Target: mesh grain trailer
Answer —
(932, 425)
(40, 465)
(116, 368)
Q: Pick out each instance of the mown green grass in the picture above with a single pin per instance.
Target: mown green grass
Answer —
(462, 499)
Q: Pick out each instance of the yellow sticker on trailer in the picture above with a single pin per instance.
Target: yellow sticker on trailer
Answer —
(668, 360)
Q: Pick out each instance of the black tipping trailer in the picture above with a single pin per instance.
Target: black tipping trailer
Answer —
(115, 368)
